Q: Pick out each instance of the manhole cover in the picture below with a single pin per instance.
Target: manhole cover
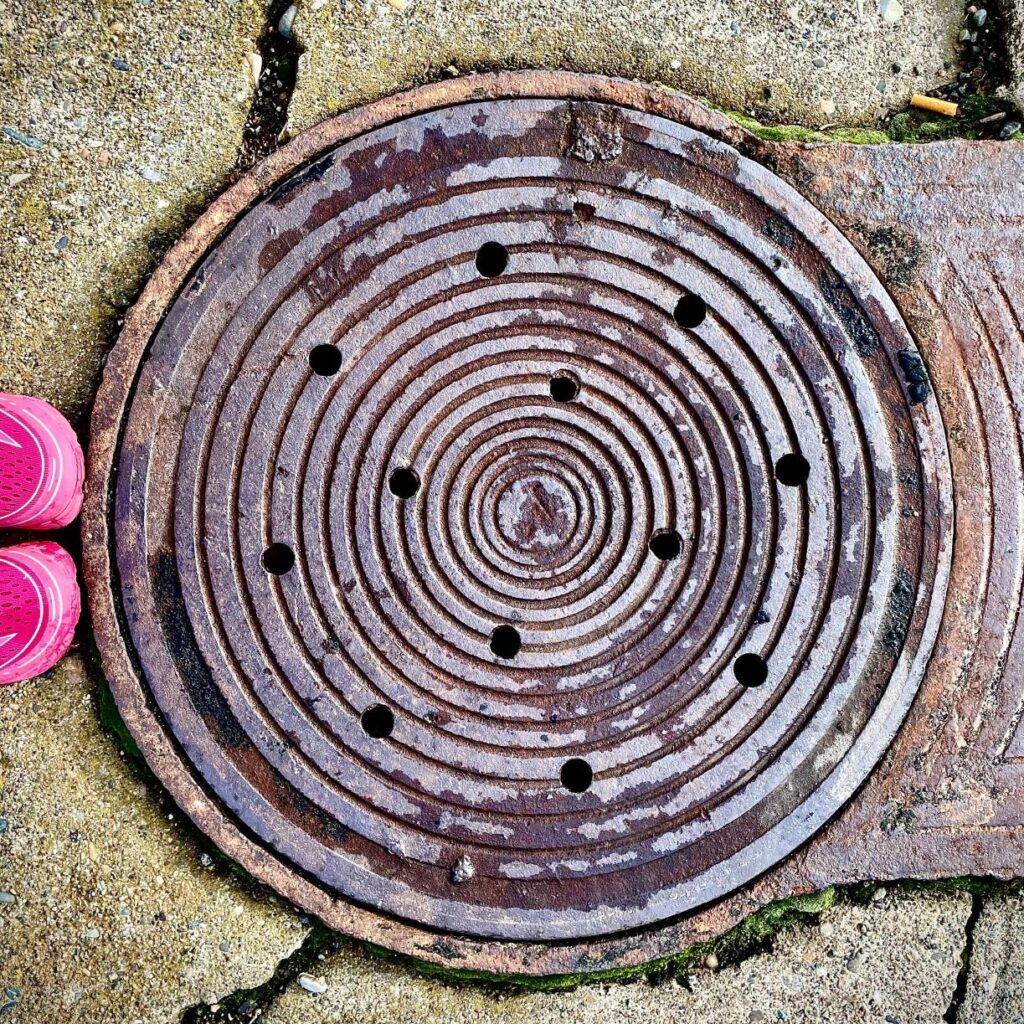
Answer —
(521, 525)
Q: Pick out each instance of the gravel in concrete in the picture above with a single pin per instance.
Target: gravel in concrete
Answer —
(895, 960)
(112, 915)
(117, 122)
(995, 983)
(811, 61)
(1014, 10)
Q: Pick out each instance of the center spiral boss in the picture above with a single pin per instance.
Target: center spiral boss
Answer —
(523, 524)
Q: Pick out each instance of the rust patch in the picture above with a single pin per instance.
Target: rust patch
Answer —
(595, 132)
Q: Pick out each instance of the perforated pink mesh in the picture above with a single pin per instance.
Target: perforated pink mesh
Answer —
(39, 608)
(21, 609)
(21, 466)
(41, 465)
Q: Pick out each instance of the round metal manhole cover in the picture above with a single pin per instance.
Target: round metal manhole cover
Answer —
(515, 522)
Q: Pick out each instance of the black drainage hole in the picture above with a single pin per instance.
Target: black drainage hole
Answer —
(577, 775)
(564, 387)
(403, 482)
(377, 721)
(278, 559)
(792, 470)
(666, 545)
(505, 641)
(750, 669)
(690, 311)
(325, 360)
(492, 259)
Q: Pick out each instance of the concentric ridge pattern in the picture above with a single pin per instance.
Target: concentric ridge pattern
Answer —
(521, 524)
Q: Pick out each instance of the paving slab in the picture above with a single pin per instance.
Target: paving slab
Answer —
(118, 122)
(812, 61)
(108, 913)
(1014, 10)
(895, 959)
(995, 985)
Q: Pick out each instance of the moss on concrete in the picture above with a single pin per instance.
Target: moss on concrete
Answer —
(799, 133)
(909, 126)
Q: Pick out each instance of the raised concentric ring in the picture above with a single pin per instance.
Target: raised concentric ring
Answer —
(629, 664)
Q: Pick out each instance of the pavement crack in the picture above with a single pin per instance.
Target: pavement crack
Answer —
(952, 1014)
(279, 52)
(246, 1005)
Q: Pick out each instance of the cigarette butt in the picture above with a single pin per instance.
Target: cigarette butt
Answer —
(934, 105)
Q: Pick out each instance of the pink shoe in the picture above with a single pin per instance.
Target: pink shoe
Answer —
(39, 608)
(41, 465)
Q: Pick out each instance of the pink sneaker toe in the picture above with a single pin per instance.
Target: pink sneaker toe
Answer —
(39, 608)
(41, 465)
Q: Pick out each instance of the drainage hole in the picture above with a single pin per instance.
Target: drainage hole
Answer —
(564, 387)
(278, 559)
(690, 311)
(377, 721)
(792, 470)
(666, 545)
(325, 360)
(492, 259)
(505, 641)
(750, 669)
(577, 775)
(403, 482)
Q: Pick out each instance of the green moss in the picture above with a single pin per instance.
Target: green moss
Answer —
(911, 126)
(860, 136)
(110, 716)
(921, 126)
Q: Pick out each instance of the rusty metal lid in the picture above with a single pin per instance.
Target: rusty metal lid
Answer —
(513, 517)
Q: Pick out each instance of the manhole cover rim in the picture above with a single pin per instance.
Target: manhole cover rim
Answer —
(115, 395)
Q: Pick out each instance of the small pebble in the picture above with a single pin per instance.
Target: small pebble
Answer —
(311, 984)
(7, 897)
(62, 243)
(225, 947)
(878, 895)
(119, 65)
(150, 175)
(25, 140)
(462, 871)
(890, 10)
(1009, 129)
(284, 26)
(711, 962)
(21, 177)
(255, 66)
(92, 933)
(205, 859)
(979, 17)
(399, 5)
